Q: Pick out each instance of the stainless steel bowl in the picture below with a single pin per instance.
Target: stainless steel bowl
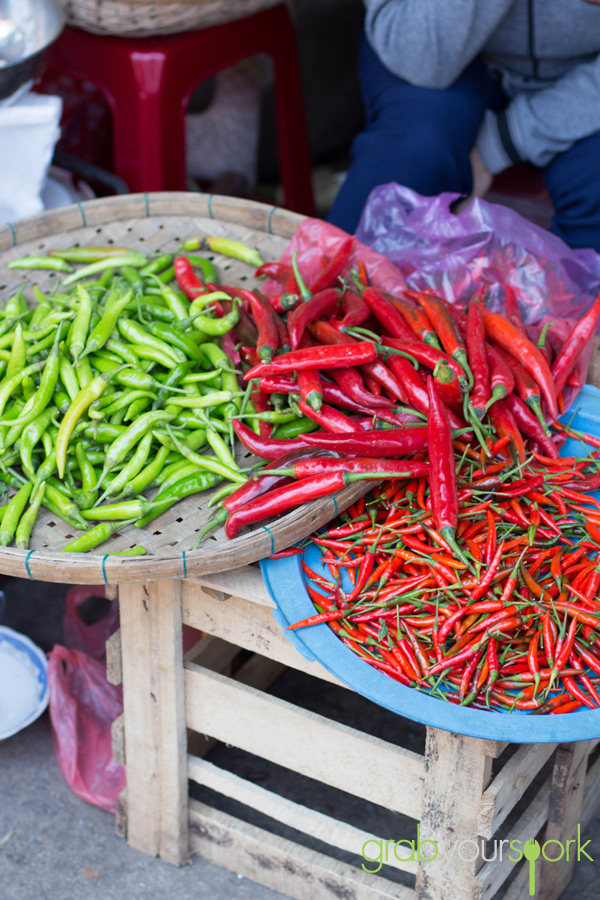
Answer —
(27, 30)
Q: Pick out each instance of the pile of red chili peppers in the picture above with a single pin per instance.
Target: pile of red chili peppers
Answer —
(474, 563)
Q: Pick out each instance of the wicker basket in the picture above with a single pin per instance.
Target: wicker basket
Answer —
(139, 18)
(156, 223)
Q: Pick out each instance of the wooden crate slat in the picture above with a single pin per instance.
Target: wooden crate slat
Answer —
(322, 827)
(280, 864)
(246, 582)
(492, 875)
(117, 739)
(253, 627)
(564, 814)
(114, 668)
(509, 785)
(591, 799)
(236, 714)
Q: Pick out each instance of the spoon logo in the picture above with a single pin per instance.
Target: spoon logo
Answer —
(531, 852)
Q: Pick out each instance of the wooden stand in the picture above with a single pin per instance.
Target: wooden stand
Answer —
(460, 790)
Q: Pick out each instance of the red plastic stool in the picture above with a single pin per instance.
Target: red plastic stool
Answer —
(148, 83)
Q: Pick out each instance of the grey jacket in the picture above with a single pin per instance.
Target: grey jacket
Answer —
(546, 54)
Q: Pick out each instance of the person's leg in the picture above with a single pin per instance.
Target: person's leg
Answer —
(418, 137)
(573, 182)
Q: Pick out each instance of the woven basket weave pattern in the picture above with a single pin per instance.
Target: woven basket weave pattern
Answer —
(138, 18)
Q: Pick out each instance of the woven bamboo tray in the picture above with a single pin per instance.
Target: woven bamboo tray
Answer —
(156, 223)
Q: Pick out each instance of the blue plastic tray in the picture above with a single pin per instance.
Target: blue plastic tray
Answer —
(285, 581)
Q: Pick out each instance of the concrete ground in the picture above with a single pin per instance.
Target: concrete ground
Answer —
(54, 846)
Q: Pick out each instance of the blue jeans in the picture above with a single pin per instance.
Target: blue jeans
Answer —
(422, 137)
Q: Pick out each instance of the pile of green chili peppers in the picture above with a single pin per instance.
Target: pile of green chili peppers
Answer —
(109, 387)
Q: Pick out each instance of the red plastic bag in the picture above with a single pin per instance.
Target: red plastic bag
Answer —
(82, 708)
(89, 637)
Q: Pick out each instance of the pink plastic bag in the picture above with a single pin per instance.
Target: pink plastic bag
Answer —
(89, 638)
(404, 239)
(82, 708)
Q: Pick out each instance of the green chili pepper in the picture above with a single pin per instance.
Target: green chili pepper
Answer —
(82, 401)
(193, 484)
(16, 306)
(84, 372)
(29, 438)
(157, 265)
(227, 247)
(208, 269)
(46, 387)
(148, 474)
(91, 254)
(81, 325)
(194, 402)
(214, 327)
(28, 518)
(16, 360)
(12, 514)
(95, 536)
(135, 465)
(170, 334)
(128, 509)
(130, 437)
(40, 262)
(123, 351)
(103, 330)
(102, 265)
(207, 462)
(178, 307)
(289, 430)
(68, 376)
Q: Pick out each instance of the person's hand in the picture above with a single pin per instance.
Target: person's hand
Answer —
(482, 179)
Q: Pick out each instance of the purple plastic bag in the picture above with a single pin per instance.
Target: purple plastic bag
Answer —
(454, 254)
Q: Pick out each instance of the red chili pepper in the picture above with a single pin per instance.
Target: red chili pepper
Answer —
(427, 355)
(187, 279)
(352, 384)
(478, 362)
(487, 579)
(388, 316)
(442, 474)
(400, 380)
(505, 334)
(530, 426)
(268, 337)
(446, 329)
(502, 380)
(391, 442)
(504, 422)
(328, 417)
(283, 498)
(329, 273)
(308, 311)
(262, 403)
(526, 388)
(416, 319)
(327, 357)
(512, 309)
(267, 448)
(311, 388)
(316, 466)
(280, 273)
(574, 345)
(354, 308)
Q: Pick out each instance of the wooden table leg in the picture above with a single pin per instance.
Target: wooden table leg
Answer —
(154, 714)
(457, 771)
